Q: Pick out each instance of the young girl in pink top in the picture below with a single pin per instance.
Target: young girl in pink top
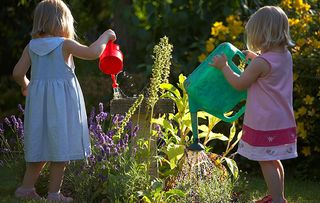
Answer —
(269, 128)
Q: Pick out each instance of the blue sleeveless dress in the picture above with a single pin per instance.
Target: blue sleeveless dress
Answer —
(55, 121)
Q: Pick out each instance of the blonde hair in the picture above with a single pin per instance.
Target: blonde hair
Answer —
(53, 17)
(266, 28)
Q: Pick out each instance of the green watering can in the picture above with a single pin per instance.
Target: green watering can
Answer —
(209, 91)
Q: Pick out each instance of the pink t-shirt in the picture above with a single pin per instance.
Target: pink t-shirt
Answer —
(269, 118)
(269, 101)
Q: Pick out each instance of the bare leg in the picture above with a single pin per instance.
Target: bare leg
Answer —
(280, 169)
(32, 173)
(273, 175)
(56, 176)
(27, 190)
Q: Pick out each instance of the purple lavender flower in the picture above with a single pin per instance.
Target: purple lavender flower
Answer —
(126, 138)
(1, 129)
(20, 129)
(20, 108)
(135, 130)
(115, 119)
(108, 151)
(100, 107)
(101, 138)
(91, 118)
(99, 128)
(7, 121)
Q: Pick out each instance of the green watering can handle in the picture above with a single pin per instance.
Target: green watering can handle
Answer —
(235, 116)
(243, 108)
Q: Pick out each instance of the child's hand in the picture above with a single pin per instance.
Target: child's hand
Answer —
(249, 54)
(219, 61)
(111, 35)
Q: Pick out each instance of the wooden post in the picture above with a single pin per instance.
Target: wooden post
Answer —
(141, 118)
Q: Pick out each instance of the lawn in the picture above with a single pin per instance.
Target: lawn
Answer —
(297, 191)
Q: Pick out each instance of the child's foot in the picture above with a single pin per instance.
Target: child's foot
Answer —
(58, 197)
(26, 193)
(266, 199)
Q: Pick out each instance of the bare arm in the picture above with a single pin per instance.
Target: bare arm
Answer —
(88, 52)
(257, 68)
(20, 70)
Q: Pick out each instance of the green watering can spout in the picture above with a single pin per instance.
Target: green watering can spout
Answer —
(209, 91)
(195, 146)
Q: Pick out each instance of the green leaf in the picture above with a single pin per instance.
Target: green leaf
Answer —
(174, 153)
(232, 132)
(176, 192)
(171, 88)
(218, 136)
(232, 166)
(203, 128)
(146, 199)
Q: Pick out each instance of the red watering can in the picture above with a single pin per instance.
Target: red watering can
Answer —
(111, 61)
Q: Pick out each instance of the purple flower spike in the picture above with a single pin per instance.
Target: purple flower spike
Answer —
(1, 129)
(100, 107)
(20, 128)
(7, 121)
(20, 108)
(102, 138)
(108, 151)
(115, 119)
(92, 115)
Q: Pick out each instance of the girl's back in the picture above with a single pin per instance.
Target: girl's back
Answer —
(55, 112)
(271, 96)
(47, 63)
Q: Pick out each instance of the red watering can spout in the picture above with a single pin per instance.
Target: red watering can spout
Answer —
(114, 81)
(111, 60)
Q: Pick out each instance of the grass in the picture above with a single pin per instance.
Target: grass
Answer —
(297, 191)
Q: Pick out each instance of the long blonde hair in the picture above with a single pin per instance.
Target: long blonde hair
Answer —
(266, 28)
(53, 17)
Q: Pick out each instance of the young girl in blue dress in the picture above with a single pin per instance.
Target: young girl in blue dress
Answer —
(55, 122)
(269, 127)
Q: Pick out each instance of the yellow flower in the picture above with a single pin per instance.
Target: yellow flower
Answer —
(311, 112)
(209, 46)
(218, 28)
(298, 3)
(308, 99)
(202, 57)
(302, 111)
(306, 151)
(300, 42)
(230, 19)
(293, 21)
(215, 28)
(286, 4)
(301, 130)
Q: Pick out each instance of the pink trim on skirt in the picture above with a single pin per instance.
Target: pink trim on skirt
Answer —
(268, 138)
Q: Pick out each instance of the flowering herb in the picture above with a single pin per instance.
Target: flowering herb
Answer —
(160, 70)
(129, 114)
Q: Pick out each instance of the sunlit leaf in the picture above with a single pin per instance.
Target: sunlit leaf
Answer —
(232, 166)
